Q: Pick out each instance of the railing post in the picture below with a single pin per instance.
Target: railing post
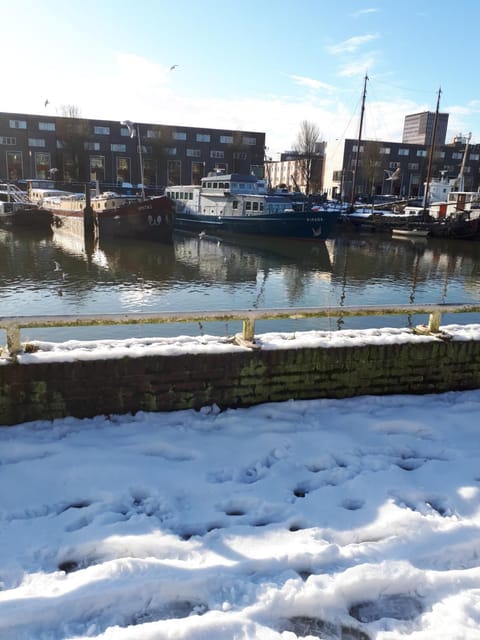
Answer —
(434, 322)
(248, 329)
(13, 339)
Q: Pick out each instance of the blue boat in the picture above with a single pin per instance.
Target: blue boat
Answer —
(241, 204)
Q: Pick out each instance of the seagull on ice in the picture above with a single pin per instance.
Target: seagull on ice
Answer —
(174, 66)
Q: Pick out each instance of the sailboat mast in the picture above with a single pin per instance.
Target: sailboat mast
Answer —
(140, 158)
(432, 151)
(355, 170)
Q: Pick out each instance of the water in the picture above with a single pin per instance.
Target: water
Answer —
(212, 274)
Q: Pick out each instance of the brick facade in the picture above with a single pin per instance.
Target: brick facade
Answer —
(233, 379)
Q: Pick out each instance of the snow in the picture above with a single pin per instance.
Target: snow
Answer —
(71, 350)
(354, 519)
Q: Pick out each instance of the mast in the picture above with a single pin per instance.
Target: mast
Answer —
(459, 182)
(355, 170)
(140, 158)
(432, 151)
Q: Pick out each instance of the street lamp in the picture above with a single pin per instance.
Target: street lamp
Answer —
(134, 130)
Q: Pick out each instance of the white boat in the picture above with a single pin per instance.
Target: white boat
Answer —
(240, 204)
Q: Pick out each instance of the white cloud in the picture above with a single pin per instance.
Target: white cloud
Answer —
(357, 66)
(311, 83)
(352, 44)
(363, 12)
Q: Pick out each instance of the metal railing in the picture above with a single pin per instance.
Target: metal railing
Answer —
(14, 325)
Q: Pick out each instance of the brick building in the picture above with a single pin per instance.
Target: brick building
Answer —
(74, 149)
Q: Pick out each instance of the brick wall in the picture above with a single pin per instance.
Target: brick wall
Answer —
(167, 383)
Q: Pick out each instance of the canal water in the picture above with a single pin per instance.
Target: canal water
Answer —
(57, 275)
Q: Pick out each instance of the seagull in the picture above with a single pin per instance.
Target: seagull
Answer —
(202, 234)
(174, 66)
(58, 266)
(47, 101)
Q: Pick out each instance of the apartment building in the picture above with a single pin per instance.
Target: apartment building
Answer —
(418, 128)
(72, 150)
(293, 170)
(400, 169)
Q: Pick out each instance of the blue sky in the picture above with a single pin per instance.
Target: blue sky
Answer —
(254, 65)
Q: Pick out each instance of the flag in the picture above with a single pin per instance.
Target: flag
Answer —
(130, 126)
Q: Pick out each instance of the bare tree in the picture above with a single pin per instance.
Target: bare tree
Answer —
(70, 111)
(73, 133)
(306, 146)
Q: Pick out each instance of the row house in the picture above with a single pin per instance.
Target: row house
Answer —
(73, 149)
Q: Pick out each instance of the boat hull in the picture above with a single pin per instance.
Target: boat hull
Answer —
(151, 219)
(25, 218)
(306, 225)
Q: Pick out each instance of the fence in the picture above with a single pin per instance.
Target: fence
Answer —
(14, 325)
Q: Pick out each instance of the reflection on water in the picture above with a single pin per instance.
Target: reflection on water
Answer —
(64, 275)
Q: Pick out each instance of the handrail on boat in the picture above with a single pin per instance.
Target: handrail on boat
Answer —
(13, 325)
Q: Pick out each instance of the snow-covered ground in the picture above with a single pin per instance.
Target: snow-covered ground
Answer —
(352, 519)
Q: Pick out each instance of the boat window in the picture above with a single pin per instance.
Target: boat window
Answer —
(248, 205)
(215, 185)
(241, 185)
(235, 204)
(234, 185)
(255, 206)
(261, 206)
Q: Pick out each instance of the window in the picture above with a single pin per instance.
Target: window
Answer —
(179, 135)
(355, 147)
(203, 137)
(457, 156)
(248, 140)
(239, 155)
(14, 165)
(217, 154)
(413, 166)
(97, 168)
(18, 124)
(36, 142)
(42, 165)
(393, 165)
(119, 148)
(384, 151)
(171, 151)
(226, 139)
(123, 170)
(101, 131)
(439, 155)
(193, 153)
(91, 146)
(403, 152)
(174, 172)
(8, 141)
(46, 126)
(474, 156)
(421, 153)
(154, 133)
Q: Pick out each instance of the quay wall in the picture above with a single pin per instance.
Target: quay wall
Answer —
(49, 390)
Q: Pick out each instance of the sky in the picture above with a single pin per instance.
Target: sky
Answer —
(255, 66)
(352, 519)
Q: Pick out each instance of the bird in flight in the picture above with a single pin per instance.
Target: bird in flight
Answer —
(174, 66)
(47, 101)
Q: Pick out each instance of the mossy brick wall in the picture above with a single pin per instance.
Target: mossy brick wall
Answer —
(233, 379)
